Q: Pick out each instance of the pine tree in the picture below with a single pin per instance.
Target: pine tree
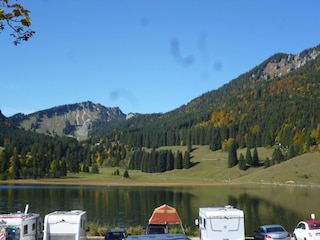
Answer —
(145, 162)
(277, 156)
(162, 161)
(255, 158)
(267, 163)
(186, 160)
(178, 160)
(232, 155)
(249, 160)
(63, 168)
(169, 160)
(14, 165)
(242, 162)
(126, 174)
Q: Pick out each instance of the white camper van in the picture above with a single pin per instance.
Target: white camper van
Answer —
(65, 225)
(21, 225)
(221, 223)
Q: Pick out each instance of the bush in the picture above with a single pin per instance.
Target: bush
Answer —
(95, 169)
(126, 174)
(116, 172)
(267, 163)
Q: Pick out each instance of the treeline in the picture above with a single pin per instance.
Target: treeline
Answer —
(27, 154)
(249, 160)
(159, 161)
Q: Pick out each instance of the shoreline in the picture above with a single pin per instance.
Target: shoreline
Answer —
(91, 182)
(135, 183)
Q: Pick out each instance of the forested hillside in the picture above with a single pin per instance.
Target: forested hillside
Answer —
(31, 155)
(253, 111)
(274, 104)
(258, 109)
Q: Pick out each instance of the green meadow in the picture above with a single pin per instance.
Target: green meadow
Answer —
(210, 167)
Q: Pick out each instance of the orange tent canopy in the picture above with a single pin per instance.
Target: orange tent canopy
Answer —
(165, 215)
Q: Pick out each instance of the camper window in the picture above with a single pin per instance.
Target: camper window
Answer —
(33, 226)
(204, 223)
(25, 229)
(233, 223)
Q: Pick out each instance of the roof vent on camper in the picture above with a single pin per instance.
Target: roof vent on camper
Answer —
(228, 207)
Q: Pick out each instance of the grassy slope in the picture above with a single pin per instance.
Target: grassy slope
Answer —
(211, 167)
(302, 170)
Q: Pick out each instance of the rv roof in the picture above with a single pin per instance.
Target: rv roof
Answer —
(19, 215)
(72, 212)
(221, 211)
(73, 216)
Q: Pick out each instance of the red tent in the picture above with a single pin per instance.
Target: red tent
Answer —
(165, 215)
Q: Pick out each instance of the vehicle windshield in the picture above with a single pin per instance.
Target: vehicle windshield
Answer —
(314, 226)
(275, 229)
(156, 230)
(116, 235)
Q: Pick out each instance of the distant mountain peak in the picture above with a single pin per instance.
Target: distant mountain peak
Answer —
(71, 119)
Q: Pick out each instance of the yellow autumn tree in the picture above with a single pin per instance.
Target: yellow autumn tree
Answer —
(315, 135)
(98, 159)
(15, 17)
(220, 118)
(14, 165)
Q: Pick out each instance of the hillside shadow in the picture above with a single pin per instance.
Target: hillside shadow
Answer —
(193, 164)
(193, 149)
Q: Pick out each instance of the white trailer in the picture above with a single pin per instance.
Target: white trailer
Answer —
(21, 225)
(65, 225)
(221, 223)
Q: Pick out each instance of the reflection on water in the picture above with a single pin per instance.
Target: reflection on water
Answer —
(132, 206)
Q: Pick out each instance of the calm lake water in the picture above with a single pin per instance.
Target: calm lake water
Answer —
(133, 206)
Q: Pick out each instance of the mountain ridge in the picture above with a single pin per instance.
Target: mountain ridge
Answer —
(78, 119)
(69, 119)
(280, 63)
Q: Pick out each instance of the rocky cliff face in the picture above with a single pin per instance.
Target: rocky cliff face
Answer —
(281, 64)
(72, 120)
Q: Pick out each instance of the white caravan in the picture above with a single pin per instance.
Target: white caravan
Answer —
(221, 223)
(65, 225)
(21, 225)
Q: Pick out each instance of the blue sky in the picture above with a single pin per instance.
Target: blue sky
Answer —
(145, 56)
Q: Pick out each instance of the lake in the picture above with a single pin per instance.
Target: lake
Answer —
(133, 206)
